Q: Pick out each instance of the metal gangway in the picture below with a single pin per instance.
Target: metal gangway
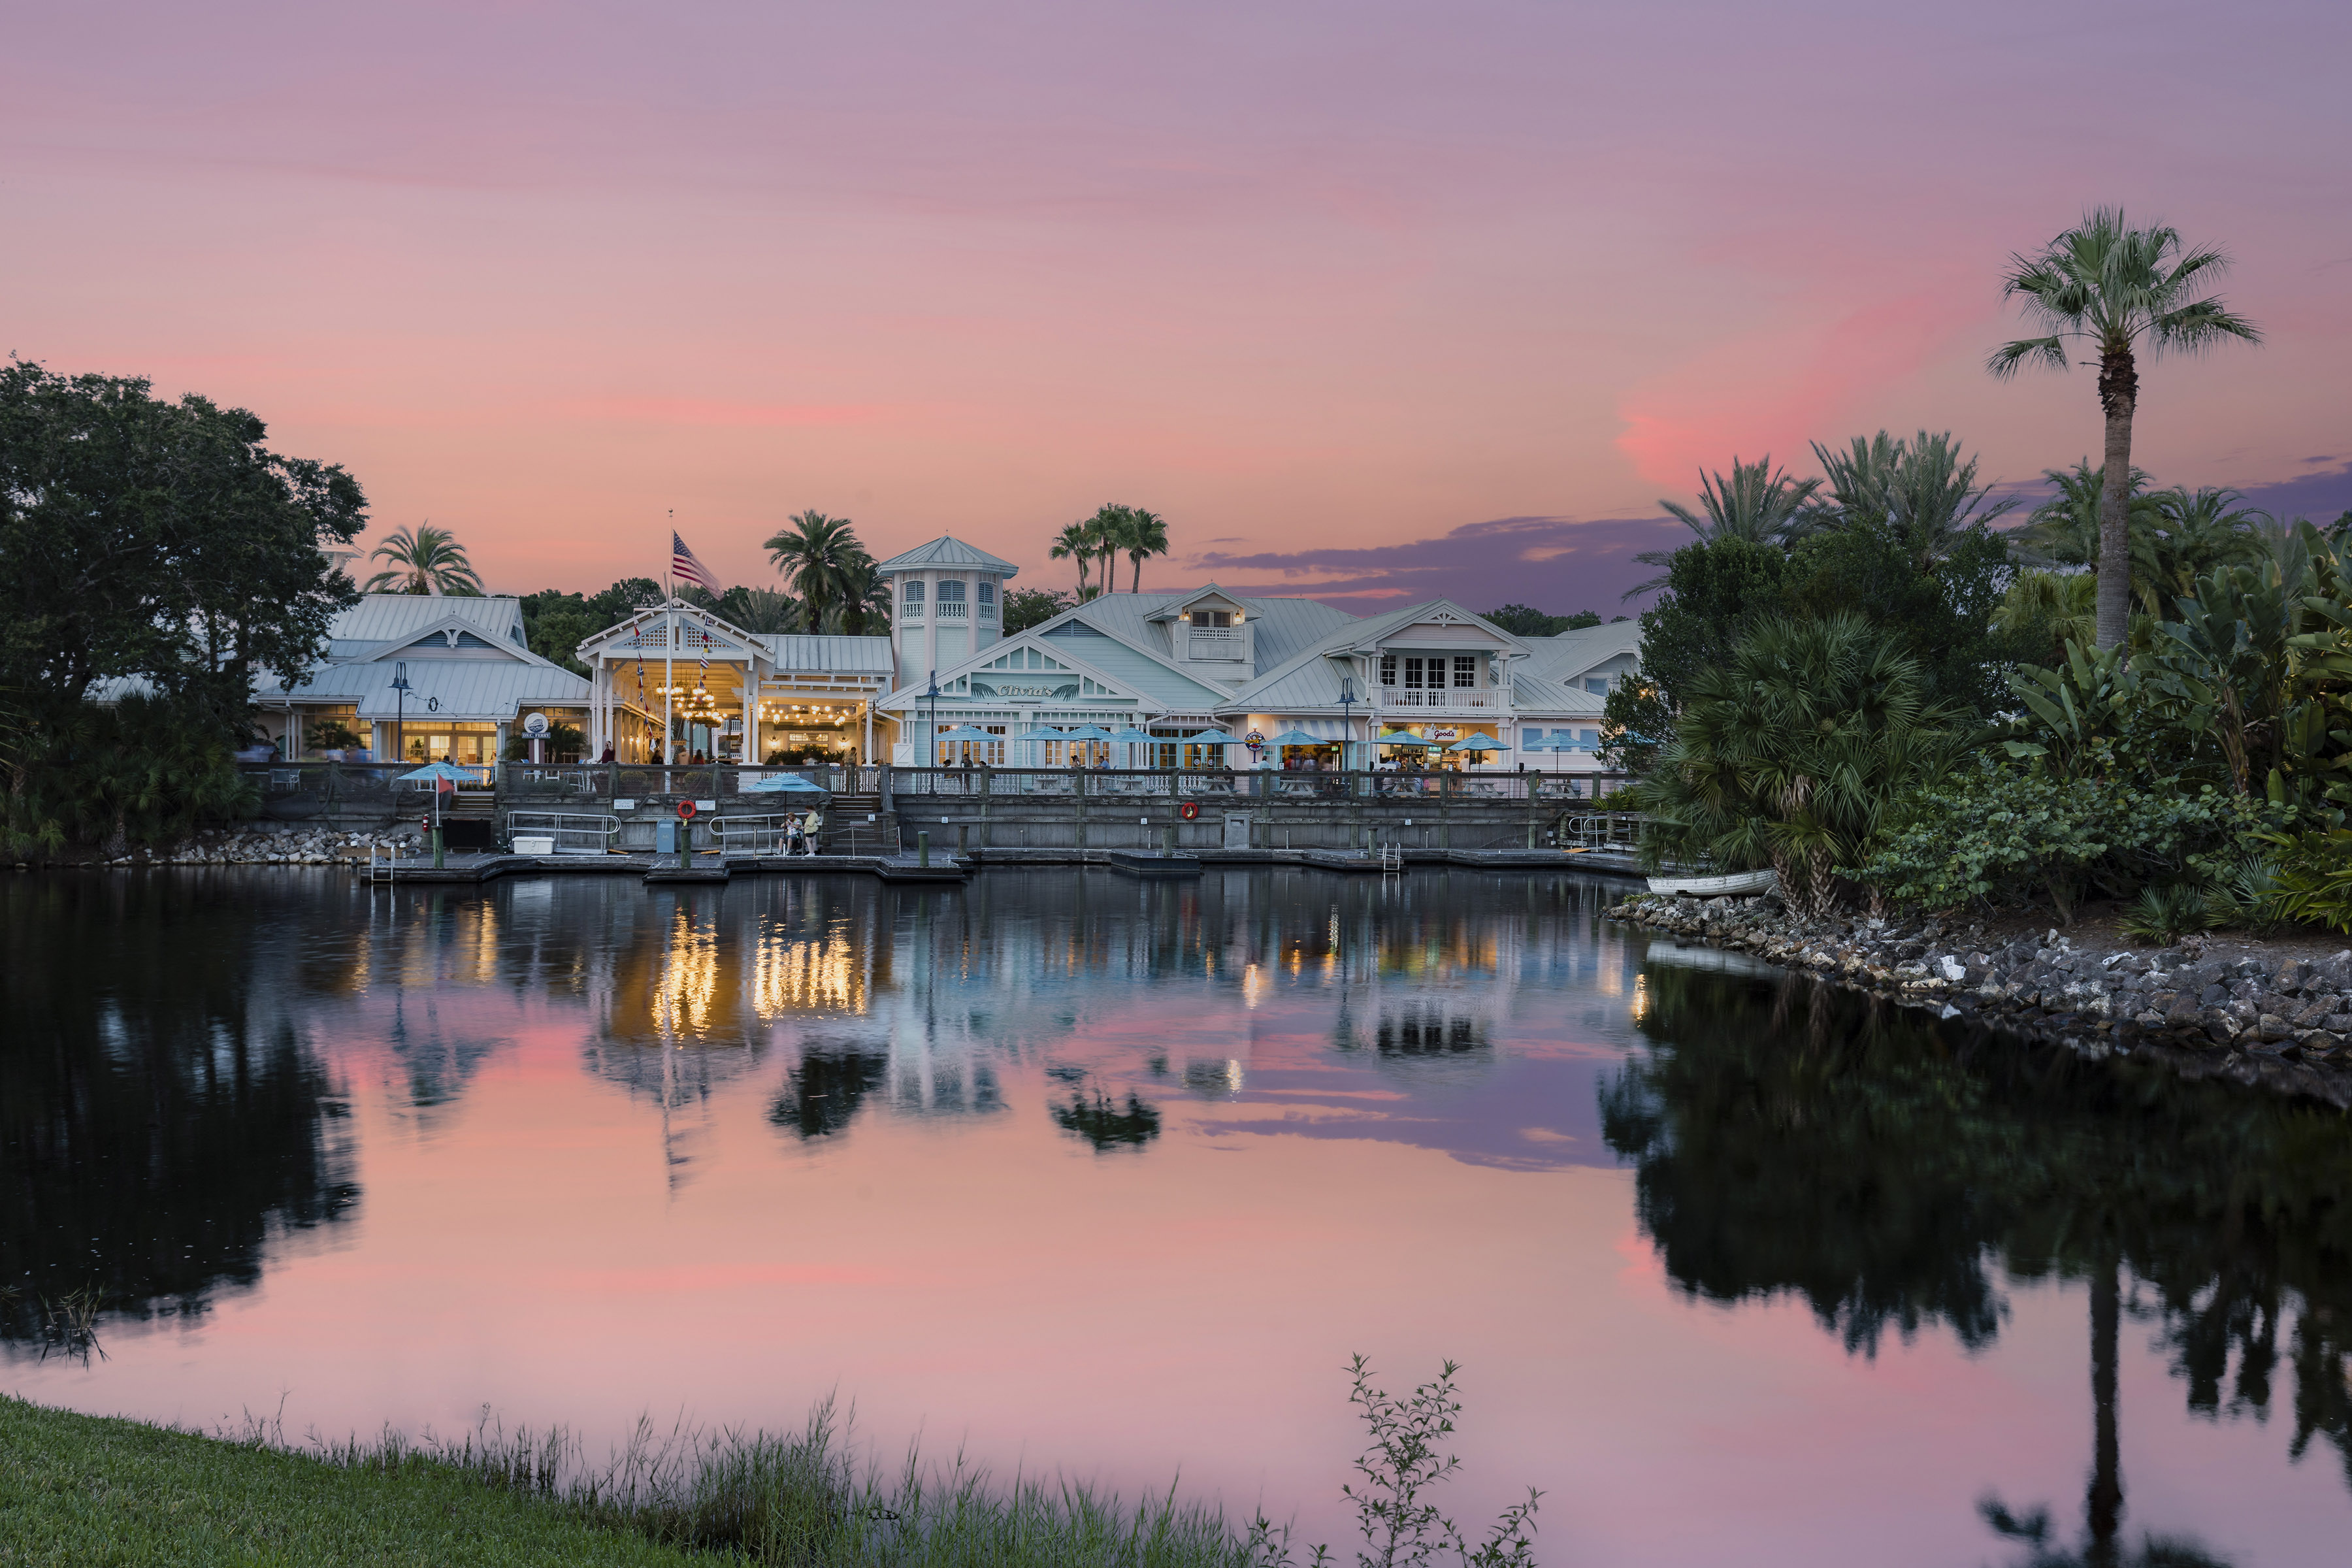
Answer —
(1620, 831)
(754, 836)
(572, 831)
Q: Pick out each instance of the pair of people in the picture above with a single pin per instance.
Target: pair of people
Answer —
(799, 832)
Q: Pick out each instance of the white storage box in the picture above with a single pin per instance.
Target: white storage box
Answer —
(534, 844)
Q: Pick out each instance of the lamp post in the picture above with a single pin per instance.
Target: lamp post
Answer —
(400, 710)
(931, 737)
(1346, 717)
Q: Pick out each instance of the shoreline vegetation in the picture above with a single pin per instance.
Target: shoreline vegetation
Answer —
(96, 1489)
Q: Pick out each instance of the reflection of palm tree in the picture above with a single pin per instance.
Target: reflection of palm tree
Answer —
(427, 559)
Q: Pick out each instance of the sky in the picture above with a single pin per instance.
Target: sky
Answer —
(1374, 301)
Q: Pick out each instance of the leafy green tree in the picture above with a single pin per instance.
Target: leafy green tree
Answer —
(1714, 593)
(424, 560)
(1938, 608)
(2042, 612)
(155, 543)
(1526, 621)
(1757, 504)
(1026, 608)
(2120, 291)
(1791, 754)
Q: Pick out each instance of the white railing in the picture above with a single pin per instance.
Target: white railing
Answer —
(574, 832)
(1439, 698)
(1217, 642)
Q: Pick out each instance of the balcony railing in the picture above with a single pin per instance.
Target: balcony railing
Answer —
(1439, 698)
(1217, 642)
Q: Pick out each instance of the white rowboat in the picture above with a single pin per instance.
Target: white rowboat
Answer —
(1728, 886)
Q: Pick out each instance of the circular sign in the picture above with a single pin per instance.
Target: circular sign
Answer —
(432, 705)
(1189, 810)
(534, 725)
(686, 810)
(1256, 738)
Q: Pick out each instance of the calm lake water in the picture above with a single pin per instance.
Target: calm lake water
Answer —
(1075, 1172)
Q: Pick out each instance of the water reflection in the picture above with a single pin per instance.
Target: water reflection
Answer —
(1894, 1173)
(161, 1122)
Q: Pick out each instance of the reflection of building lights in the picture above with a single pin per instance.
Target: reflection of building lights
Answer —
(690, 990)
(1253, 987)
(1641, 1002)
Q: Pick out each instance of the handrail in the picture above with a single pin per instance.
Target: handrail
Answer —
(562, 826)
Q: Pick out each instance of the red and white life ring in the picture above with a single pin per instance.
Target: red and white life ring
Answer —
(686, 811)
(1189, 810)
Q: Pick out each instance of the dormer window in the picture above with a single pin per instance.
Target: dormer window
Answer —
(1211, 618)
(952, 600)
(910, 599)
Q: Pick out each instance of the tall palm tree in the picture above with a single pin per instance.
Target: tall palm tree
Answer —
(1147, 534)
(2117, 290)
(1110, 528)
(1756, 503)
(816, 554)
(1076, 542)
(424, 560)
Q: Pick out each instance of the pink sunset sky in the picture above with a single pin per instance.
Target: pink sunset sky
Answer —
(1372, 300)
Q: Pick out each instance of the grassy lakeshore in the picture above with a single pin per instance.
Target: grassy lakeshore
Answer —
(98, 1490)
(95, 1490)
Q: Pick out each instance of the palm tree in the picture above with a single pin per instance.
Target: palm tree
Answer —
(1757, 504)
(2118, 290)
(1147, 534)
(1921, 490)
(865, 597)
(1110, 528)
(2050, 609)
(427, 559)
(1076, 542)
(816, 554)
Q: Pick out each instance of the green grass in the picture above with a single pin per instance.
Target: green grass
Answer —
(95, 1492)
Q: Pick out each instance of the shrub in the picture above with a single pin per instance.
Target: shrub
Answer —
(2004, 833)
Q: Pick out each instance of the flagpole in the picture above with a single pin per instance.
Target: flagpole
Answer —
(669, 650)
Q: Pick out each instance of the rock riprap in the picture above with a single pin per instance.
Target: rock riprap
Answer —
(2282, 1020)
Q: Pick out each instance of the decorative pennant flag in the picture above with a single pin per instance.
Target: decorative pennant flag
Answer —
(682, 564)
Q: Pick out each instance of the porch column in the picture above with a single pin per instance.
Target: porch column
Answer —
(747, 753)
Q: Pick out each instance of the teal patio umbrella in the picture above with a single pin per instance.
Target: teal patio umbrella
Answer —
(793, 783)
(1400, 738)
(1301, 738)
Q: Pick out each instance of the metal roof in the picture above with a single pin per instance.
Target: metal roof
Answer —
(470, 691)
(801, 654)
(1283, 626)
(946, 552)
(1310, 678)
(391, 618)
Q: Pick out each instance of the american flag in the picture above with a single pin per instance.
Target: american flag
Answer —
(683, 564)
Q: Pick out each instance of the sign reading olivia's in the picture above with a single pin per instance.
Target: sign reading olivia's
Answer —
(983, 689)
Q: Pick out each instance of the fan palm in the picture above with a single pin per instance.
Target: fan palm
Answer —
(2119, 290)
(816, 554)
(1756, 503)
(424, 560)
(1146, 534)
(1791, 754)
(1076, 542)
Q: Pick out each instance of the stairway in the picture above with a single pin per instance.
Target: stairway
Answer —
(846, 831)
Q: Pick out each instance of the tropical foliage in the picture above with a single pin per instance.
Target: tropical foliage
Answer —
(1790, 755)
(1758, 504)
(823, 562)
(1026, 608)
(2118, 291)
(424, 560)
(1526, 621)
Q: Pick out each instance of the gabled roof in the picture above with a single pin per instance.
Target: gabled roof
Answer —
(467, 689)
(449, 629)
(1310, 677)
(1169, 609)
(1551, 681)
(1105, 659)
(388, 617)
(698, 630)
(946, 552)
(1281, 626)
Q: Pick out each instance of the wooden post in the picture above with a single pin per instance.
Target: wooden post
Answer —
(1079, 793)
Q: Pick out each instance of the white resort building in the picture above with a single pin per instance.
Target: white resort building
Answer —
(1149, 681)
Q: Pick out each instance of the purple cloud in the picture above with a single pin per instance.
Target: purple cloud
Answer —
(1556, 564)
